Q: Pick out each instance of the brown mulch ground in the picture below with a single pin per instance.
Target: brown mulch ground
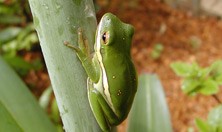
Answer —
(154, 23)
(149, 19)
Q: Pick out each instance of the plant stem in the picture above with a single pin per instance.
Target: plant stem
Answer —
(216, 98)
(57, 21)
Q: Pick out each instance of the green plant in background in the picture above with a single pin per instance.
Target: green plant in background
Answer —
(14, 39)
(195, 42)
(17, 33)
(19, 110)
(157, 51)
(197, 79)
(12, 11)
(149, 112)
(213, 122)
(205, 81)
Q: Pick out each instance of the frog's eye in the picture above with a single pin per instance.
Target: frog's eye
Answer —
(105, 37)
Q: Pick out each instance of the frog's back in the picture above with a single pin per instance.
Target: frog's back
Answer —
(122, 80)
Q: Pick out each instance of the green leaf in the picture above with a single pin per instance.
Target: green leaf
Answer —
(56, 22)
(11, 19)
(27, 42)
(20, 108)
(209, 87)
(182, 69)
(55, 111)
(22, 40)
(27, 37)
(7, 10)
(216, 72)
(218, 79)
(19, 64)
(202, 126)
(158, 47)
(190, 129)
(149, 112)
(203, 73)
(7, 122)
(190, 86)
(155, 54)
(217, 67)
(8, 34)
(215, 118)
(44, 99)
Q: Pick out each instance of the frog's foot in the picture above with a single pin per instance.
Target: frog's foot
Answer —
(66, 43)
(82, 48)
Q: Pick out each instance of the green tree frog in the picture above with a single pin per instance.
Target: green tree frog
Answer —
(112, 78)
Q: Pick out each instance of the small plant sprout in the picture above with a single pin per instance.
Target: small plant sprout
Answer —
(213, 122)
(157, 51)
(195, 42)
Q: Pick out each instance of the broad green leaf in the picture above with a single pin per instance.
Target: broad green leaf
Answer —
(19, 64)
(215, 118)
(149, 112)
(209, 87)
(4, 9)
(216, 67)
(182, 69)
(203, 73)
(190, 86)
(20, 108)
(7, 122)
(8, 34)
(202, 126)
(10, 19)
(218, 79)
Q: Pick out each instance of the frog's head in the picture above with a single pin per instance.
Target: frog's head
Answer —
(113, 33)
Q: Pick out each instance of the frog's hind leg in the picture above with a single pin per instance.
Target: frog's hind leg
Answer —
(101, 110)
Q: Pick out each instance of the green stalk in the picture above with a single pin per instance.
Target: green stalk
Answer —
(57, 21)
(19, 110)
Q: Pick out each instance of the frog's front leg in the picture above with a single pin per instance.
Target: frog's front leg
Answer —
(101, 109)
(90, 65)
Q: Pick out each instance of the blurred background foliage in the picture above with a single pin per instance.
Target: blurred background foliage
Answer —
(17, 35)
(17, 39)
